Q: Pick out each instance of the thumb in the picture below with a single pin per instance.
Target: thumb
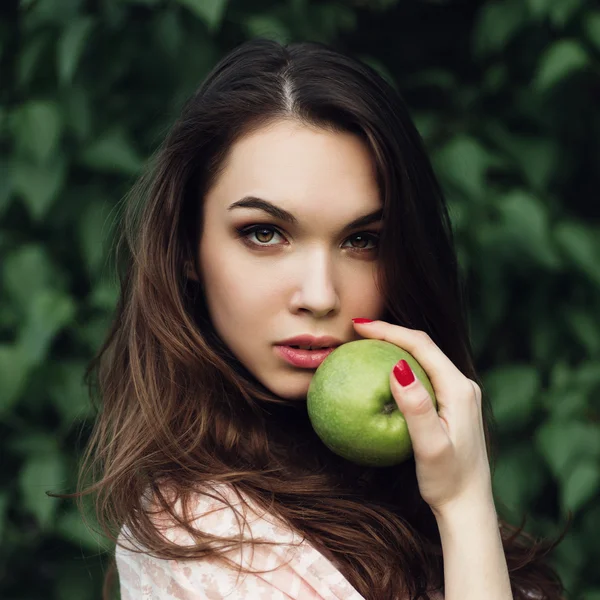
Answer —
(428, 437)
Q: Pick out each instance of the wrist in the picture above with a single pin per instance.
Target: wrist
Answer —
(469, 524)
(473, 549)
(467, 506)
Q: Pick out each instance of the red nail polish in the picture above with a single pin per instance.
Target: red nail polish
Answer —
(403, 373)
(362, 320)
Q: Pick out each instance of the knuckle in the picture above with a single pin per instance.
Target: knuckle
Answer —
(421, 403)
(476, 389)
(423, 336)
(468, 390)
(436, 451)
(423, 340)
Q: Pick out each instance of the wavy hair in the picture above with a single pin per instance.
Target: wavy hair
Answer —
(178, 410)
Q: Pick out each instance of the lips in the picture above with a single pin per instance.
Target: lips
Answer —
(310, 348)
(305, 359)
(315, 343)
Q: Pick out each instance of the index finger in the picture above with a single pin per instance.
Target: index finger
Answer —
(442, 372)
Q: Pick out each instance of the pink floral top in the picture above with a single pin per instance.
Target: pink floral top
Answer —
(308, 574)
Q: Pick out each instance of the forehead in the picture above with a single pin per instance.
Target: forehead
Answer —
(298, 166)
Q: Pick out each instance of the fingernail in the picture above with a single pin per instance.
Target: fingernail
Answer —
(403, 373)
(362, 320)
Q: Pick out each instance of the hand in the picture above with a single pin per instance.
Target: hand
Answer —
(449, 445)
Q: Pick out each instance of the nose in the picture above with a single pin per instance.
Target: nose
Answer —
(316, 288)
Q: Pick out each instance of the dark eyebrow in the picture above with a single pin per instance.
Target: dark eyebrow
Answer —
(283, 215)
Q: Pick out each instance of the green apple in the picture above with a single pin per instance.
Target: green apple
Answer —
(351, 407)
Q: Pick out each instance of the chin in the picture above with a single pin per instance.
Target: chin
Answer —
(291, 387)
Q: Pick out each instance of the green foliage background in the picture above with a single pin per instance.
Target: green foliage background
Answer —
(506, 95)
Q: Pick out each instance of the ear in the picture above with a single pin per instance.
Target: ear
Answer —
(190, 273)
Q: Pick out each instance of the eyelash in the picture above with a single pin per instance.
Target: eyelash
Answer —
(244, 232)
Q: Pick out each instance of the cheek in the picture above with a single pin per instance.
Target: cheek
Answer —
(362, 295)
(235, 288)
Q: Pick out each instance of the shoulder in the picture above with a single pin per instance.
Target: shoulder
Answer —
(219, 510)
(214, 514)
(290, 567)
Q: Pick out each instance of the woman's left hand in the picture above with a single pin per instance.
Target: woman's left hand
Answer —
(449, 445)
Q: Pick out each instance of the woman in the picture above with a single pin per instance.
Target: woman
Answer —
(291, 196)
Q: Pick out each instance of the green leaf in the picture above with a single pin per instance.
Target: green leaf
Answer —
(37, 127)
(4, 504)
(591, 27)
(29, 58)
(51, 12)
(49, 312)
(536, 157)
(33, 444)
(69, 393)
(496, 24)
(495, 78)
(584, 325)
(562, 11)
(267, 26)
(210, 11)
(586, 374)
(567, 404)
(71, 527)
(560, 374)
(561, 59)
(580, 483)
(527, 228)
(113, 153)
(77, 106)
(5, 186)
(463, 162)
(14, 369)
(518, 477)
(513, 390)
(564, 443)
(581, 244)
(38, 475)
(39, 185)
(28, 270)
(571, 389)
(8, 316)
(94, 232)
(494, 295)
(427, 123)
(93, 332)
(168, 32)
(544, 335)
(325, 20)
(71, 45)
(105, 294)
(539, 8)
(569, 555)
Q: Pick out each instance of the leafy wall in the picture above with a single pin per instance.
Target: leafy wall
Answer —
(506, 96)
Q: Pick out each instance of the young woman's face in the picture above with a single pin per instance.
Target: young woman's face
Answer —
(286, 279)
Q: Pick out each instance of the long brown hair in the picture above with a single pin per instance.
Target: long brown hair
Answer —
(178, 410)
